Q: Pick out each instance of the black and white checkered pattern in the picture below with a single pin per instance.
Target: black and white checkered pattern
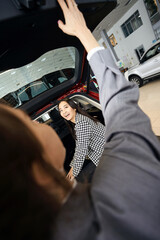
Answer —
(90, 142)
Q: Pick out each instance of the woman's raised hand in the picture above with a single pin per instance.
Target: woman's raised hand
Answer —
(74, 20)
(75, 24)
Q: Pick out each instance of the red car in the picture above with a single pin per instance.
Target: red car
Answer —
(40, 65)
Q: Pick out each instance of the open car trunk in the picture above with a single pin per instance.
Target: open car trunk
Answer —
(39, 64)
(28, 32)
(29, 37)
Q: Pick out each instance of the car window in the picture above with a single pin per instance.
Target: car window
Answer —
(18, 86)
(151, 53)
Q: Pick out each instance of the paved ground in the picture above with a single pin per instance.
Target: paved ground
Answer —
(150, 103)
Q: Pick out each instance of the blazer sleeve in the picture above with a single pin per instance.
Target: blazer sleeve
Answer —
(125, 186)
(119, 100)
(83, 135)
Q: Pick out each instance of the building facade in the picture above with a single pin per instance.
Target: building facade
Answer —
(132, 33)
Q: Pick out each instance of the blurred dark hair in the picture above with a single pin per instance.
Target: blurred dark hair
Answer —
(28, 211)
(76, 106)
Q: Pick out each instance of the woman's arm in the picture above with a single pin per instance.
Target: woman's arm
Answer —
(83, 134)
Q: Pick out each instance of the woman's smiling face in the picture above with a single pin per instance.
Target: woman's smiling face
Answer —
(67, 112)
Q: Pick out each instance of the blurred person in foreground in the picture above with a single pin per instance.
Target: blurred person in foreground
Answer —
(122, 202)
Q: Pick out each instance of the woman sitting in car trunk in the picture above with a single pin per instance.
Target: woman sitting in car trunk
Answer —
(88, 133)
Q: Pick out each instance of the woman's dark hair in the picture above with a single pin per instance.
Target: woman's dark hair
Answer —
(28, 211)
(76, 106)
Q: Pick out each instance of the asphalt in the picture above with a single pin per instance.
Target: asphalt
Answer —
(149, 102)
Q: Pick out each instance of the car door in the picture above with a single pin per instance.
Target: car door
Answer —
(150, 63)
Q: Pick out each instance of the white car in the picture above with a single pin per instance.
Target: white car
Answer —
(148, 67)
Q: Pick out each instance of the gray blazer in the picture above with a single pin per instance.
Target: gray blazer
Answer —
(123, 201)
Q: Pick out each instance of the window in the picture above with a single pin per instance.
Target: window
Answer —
(140, 51)
(151, 53)
(151, 6)
(18, 86)
(132, 24)
(113, 40)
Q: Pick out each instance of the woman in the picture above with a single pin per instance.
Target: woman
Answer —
(89, 135)
(122, 202)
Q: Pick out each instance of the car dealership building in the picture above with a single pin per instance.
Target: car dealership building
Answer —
(128, 31)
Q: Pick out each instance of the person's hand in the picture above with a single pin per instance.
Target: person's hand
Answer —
(70, 174)
(75, 24)
(74, 20)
